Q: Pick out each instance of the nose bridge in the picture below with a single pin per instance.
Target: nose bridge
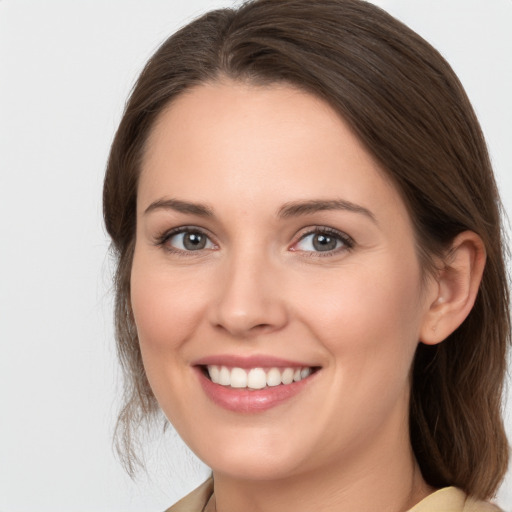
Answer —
(249, 299)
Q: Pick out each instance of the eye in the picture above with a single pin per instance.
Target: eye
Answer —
(323, 240)
(188, 240)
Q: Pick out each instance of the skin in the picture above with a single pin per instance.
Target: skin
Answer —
(259, 287)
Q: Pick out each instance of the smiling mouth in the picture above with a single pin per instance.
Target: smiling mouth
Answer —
(256, 378)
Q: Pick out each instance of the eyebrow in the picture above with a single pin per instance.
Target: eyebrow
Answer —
(298, 208)
(291, 209)
(199, 209)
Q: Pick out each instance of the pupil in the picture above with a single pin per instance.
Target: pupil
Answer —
(194, 241)
(324, 242)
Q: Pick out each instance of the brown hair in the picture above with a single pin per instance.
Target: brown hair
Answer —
(409, 109)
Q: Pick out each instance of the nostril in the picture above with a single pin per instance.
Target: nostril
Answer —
(243, 327)
(261, 327)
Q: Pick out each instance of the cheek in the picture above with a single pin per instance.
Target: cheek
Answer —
(370, 313)
(166, 311)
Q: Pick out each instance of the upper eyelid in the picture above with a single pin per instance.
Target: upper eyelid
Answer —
(163, 237)
(318, 228)
(185, 229)
(311, 230)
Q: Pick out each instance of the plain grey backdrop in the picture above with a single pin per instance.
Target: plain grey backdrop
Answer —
(66, 69)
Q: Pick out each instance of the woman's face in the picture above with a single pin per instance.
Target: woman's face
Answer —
(273, 256)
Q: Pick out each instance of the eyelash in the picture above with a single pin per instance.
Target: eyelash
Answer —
(347, 241)
(162, 240)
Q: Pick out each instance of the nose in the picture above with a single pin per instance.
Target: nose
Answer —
(250, 298)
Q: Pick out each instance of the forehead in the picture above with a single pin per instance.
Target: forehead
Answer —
(258, 145)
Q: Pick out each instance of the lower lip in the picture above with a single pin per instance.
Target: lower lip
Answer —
(246, 400)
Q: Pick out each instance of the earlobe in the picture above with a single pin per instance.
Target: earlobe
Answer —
(455, 288)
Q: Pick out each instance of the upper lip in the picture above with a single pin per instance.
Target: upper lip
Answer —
(254, 361)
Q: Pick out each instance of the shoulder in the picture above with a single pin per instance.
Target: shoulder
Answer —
(196, 500)
(451, 499)
(473, 505)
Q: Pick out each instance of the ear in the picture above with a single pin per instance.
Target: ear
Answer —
(455, 288)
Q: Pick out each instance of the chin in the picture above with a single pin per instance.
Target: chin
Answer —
(265, 459)
(261, 468)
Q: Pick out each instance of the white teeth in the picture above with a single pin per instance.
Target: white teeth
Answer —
(287, 376)
(224, 376)
(273, 377)
(256, 378)
(305, 372)
(238, 378)
(214, 373)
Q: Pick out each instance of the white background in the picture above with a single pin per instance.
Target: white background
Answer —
(66, 69)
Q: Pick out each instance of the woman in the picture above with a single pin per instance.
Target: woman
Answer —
(310, 278)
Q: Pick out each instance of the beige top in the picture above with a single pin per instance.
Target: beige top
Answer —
(449, 499)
